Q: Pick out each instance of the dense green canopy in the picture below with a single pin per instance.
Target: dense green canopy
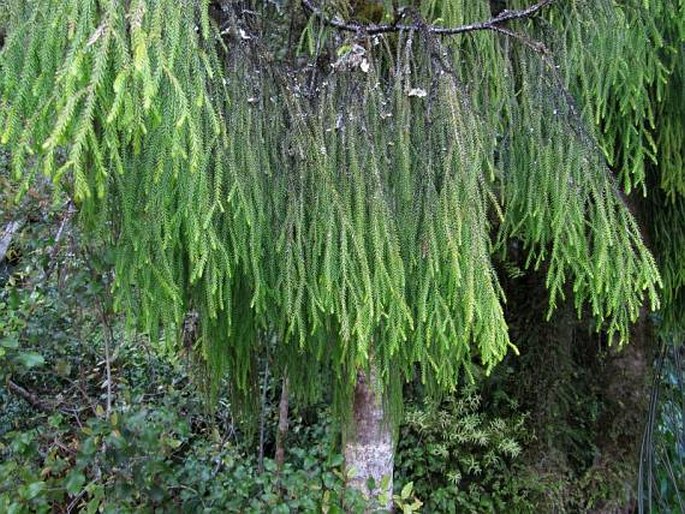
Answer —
(347, 201)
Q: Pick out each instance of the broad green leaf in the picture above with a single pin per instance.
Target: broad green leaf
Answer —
(30, 359)
(9, 342)
(74, 482)
(407, 490)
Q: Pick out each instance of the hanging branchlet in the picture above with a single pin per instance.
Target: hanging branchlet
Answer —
(346, 210)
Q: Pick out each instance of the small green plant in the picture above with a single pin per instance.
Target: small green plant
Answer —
(151, 458)
(406, 501)
(461, 459)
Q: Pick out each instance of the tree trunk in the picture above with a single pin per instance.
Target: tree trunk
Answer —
(626, 387)
(369, 449)
(282, 425)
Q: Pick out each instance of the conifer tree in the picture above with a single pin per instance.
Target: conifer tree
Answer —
(342, 182)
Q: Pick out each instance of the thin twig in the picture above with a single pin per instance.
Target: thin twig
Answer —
(282, 423)
(67, 216)
(372, 28)
(230, 431)
(70, 210)
(109, 338)
(262, 418)
(85, 395)
(74, 503)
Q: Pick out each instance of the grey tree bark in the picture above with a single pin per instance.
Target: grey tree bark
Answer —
(369, 448)
(6, 235)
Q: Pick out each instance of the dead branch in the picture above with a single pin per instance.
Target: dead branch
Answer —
(30, 397)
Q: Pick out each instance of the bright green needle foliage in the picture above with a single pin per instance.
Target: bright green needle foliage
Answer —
(351, 214)
(618, 58)
(670, 120)
(668, 227)
(561, 201)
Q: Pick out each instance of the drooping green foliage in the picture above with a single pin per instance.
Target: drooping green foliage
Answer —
(668, 227)
(611, 88)
(347, 211)
(562, 202)
(666, 208)
(670, 121)
(623, 63)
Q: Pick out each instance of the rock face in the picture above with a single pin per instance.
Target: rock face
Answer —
(369, 449)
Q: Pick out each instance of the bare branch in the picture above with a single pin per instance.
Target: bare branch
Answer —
(373, 28)
(534, 45)
(27, 395)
